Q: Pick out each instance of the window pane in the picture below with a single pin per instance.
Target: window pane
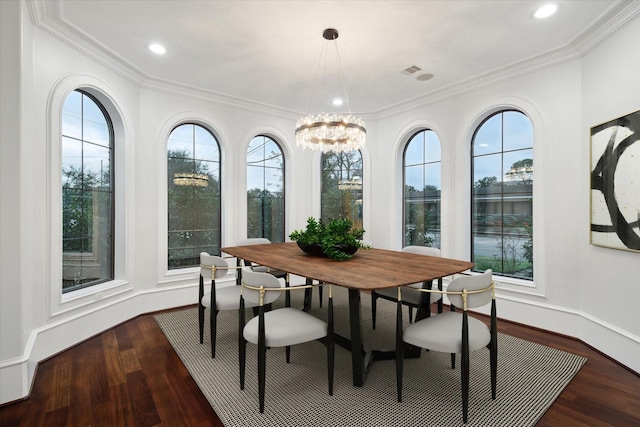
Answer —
(272, 155)
(502, 223)
(205, 146)
(255, 178)
(96, 165)
(180, 143)
(273, 180)
(87, 199)
(94, 126)
(255, 152)
(413, 181)
(180, 212)
(341, 195)
(414, 154)
(204, 211)
(265, 189)
(518, 132)
(193, 173)
(72, 116)
(71, 163)
(487, 172)
(422, 181)
(488, 139)
(432, 147)
(432, 176)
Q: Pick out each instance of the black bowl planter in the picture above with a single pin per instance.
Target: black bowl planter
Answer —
(316, 249)
(337, 239)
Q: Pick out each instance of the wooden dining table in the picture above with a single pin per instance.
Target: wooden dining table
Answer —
(367, 270)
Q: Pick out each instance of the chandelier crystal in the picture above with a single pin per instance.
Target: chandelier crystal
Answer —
(330, 132)
(335, 132)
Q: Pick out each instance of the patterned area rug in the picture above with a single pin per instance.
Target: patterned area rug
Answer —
(530, 377)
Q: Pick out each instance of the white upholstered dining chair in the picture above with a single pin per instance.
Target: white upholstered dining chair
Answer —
(216, 298)
(280, 327)
(453, 331)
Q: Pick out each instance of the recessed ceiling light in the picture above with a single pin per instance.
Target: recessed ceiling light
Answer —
(157, 49)
(546, 11)
(337, 102)
(424, 77)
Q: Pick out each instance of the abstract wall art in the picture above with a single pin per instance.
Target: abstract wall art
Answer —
(615, 183)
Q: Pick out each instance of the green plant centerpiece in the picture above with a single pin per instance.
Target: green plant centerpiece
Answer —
(338, 239)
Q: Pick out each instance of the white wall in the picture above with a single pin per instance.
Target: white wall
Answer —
(577, 287)
(609, 280)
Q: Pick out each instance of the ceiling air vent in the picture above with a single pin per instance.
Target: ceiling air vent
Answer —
(411, 70)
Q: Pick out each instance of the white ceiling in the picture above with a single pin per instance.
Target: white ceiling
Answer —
(268, 51)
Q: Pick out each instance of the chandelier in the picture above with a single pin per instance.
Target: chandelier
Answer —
(336, 132)
(191, 179)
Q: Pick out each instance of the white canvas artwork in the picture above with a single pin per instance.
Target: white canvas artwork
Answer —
(615, 183)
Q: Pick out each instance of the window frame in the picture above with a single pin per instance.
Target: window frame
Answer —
(512, 278)
(112, 188)
(362, 190)
(284, 194)
(186, 268)
(404, 180)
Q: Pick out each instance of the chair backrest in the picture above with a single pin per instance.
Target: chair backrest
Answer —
(471, 283)
(207, 261)
(253, 241)
(257, 279)
(422, 250)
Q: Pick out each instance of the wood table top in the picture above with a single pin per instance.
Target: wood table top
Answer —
(367, 270)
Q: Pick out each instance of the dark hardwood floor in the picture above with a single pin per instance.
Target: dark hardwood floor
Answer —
(131, 376)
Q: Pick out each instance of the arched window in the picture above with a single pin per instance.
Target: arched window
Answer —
(87, 193)
(265, 189)
(193, 182)
(502, 195)
(422, 185)
(341, 195)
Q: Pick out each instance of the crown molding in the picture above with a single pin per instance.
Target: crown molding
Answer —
(608, 24)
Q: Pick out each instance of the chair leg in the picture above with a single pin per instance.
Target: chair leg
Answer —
(410, 314)
(201, 308)
(214, 322)
(242, 344)
(494, 368)
(494, 349)
(399, 351)
(374, 298)
(262, 360)
(287, 351)
(320, 294)
(453, 361)
(242, 360)
(201, 321)
(464, 367)
(262, 365)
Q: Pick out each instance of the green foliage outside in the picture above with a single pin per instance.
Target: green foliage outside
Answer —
(193, 209)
